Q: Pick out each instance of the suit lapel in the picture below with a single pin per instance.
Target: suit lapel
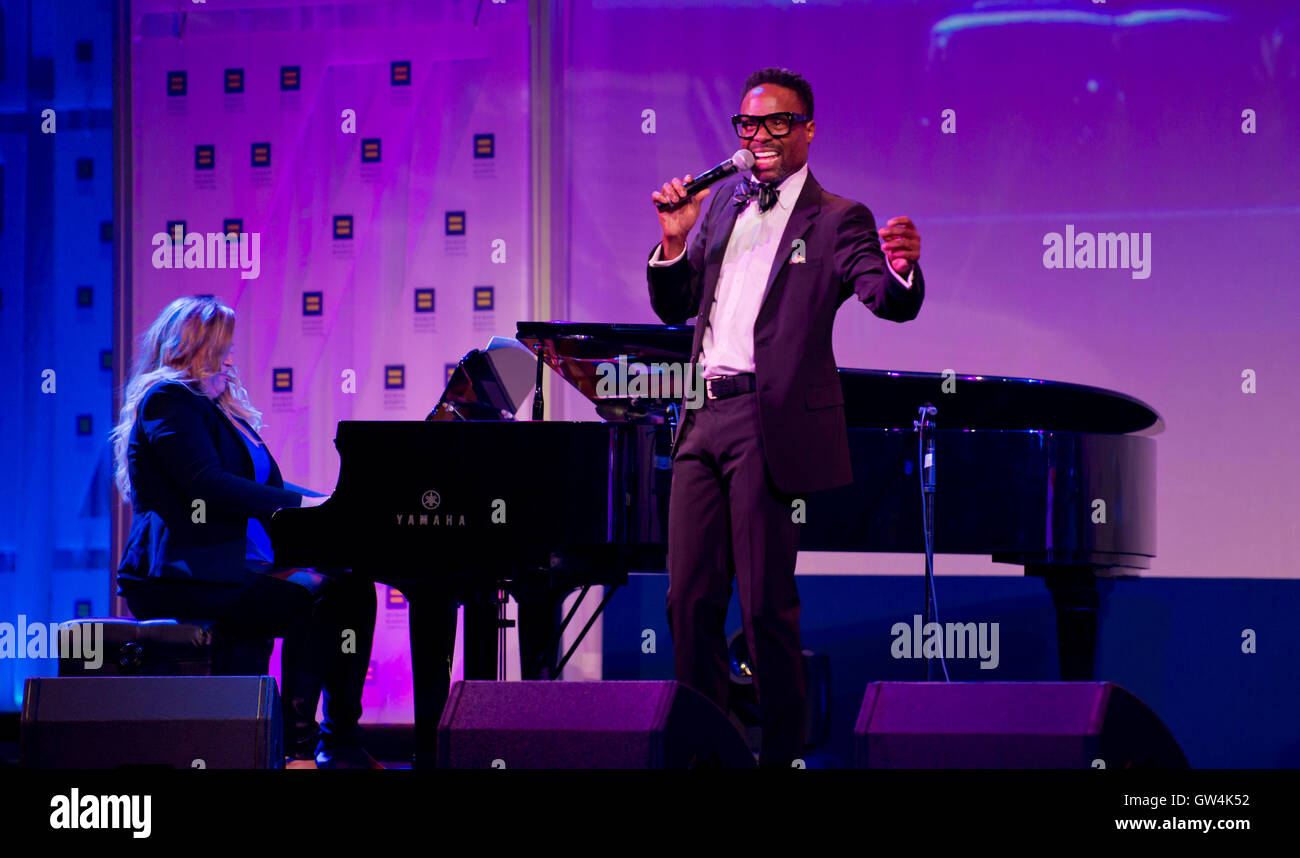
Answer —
(806, 208)
(228, 425)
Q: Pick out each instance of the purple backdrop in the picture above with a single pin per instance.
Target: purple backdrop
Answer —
(991, 125)
(1115, 117)
(405, 120)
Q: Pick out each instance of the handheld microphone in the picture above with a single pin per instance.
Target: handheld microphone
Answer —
(742, 160)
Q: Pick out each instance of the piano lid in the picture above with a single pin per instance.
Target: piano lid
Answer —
(873, 398)
(577, 351)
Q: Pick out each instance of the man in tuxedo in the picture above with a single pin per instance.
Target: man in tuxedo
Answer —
(774, 258)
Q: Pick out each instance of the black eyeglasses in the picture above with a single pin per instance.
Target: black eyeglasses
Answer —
(777, 124)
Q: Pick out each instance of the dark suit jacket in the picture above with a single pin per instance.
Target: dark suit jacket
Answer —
(801, 405)
(182, 449)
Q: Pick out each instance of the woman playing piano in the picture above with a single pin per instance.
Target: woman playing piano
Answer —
(203, 486)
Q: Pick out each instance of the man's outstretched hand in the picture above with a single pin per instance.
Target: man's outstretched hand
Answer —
(901, 243)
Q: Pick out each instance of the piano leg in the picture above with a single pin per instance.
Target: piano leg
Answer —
(1074, 592)
(432, 617)
(482, 627)
(540, 613)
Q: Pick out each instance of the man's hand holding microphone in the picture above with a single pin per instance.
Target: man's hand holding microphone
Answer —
(676, 222)
(678, 201)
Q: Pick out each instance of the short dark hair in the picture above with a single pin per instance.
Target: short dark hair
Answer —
(789, 80)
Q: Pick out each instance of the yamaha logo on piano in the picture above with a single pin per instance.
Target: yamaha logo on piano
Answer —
(430, 500)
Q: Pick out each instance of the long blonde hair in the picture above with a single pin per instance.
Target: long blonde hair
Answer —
(186, 343)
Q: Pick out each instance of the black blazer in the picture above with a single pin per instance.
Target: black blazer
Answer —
(801, 404)
(183, 449)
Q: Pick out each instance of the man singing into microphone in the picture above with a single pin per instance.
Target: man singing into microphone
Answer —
(764, 276)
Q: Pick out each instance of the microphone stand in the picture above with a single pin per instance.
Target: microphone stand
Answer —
(925, 447)
(539, 404)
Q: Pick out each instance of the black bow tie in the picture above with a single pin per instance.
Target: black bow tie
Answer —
(748, 189)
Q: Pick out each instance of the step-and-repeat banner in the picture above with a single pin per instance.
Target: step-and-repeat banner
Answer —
(374, 162)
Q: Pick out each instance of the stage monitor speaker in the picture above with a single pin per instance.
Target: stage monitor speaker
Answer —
(1009, 725)
(542, 724)
(212, 722)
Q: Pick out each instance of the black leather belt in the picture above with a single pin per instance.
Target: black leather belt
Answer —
(726, 386)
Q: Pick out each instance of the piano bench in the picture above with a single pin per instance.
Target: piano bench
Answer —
(121, 646)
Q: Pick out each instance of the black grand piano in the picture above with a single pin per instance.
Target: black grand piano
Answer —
(471, 504)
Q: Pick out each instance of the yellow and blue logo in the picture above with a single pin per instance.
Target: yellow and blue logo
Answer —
(234, 80)
(401, 73)
(282, 379)
(455, 223)
(395, 377)
(290, 77)
(342, 226)
(261, 154)
(484, 298)
(205, 156)
(176, 83)
(233, 224)
(424, 300)
(313, 303)
(370, 150)
(485, 145)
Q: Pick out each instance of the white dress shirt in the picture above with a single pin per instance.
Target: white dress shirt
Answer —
(728, 344)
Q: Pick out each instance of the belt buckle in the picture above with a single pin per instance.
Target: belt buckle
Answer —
(708, 386)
